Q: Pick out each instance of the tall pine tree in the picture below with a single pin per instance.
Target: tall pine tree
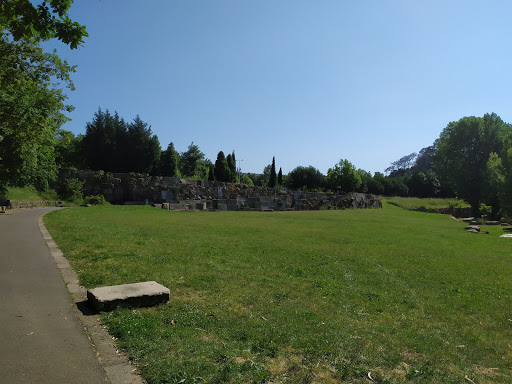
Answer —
(169, 162)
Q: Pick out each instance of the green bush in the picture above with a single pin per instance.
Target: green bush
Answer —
(485, 210)
(247, 180)
(72, 189)
(96, 200)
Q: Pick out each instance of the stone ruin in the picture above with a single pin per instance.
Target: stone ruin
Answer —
(179, 194)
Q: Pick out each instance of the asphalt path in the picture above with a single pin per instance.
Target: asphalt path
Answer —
(41, 337)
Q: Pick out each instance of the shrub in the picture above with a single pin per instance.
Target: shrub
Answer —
(96, 200)
(247, 180)
(72, 189)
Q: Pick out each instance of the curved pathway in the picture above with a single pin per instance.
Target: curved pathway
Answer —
(41, 338)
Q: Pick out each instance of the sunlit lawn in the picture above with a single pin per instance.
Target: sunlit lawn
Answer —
(299, 297)
(425, 204)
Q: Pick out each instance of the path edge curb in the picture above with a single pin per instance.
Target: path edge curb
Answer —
(117, 367)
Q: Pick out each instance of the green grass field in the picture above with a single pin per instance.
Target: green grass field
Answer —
(301, 297)
(424, 204)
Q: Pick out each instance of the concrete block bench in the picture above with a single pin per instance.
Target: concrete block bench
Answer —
(146, 294)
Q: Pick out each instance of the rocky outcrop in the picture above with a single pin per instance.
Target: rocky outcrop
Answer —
(175, 193)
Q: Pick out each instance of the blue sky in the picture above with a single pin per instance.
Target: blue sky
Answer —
(309, 82)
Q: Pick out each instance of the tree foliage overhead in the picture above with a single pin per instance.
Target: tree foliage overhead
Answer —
(25, 20)
(32, 82)
(32, 106)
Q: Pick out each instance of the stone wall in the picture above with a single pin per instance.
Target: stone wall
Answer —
(175, 193)
(29, 204)
(456, 212)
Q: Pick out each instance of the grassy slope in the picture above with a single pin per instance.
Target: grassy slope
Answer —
(301, 296)
(425, 204)
(29, 193)
(23, 194)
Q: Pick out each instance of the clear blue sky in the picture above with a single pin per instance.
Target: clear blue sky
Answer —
(309, 82)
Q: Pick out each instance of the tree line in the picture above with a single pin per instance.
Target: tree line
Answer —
(471, 159)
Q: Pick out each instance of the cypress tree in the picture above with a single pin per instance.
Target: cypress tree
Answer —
(280, 177)
(232, 167)
(272, 180)
(221, 168)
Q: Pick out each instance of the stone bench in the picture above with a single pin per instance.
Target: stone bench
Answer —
(146, 294)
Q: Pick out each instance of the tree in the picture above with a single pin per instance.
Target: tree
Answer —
(343, 176)
(189, 160)
(104, 143)
(499, 172)
(222, 171)
(68, 150)
(48, 20)
(424, 184)
(375, 185)
(306, 178)
(402, 164)
(203, 169)
(231, 161)
(425, 159)
(247, 180)
(272, 179)
(280, 177)
(211, 175)
(32, 100)
(169, 162)
(462, 153)
(142, 148)
(365, 177)
(32, 106)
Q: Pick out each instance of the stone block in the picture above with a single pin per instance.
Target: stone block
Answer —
(201, 206)
(146, 294)
(165, 205)
(222, 207)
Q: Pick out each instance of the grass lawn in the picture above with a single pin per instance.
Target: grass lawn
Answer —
(424, 204)
(301, 297)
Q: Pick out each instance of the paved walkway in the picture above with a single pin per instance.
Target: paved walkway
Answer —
(41, 337)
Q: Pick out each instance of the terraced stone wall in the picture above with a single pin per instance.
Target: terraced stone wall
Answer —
(175, 193)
